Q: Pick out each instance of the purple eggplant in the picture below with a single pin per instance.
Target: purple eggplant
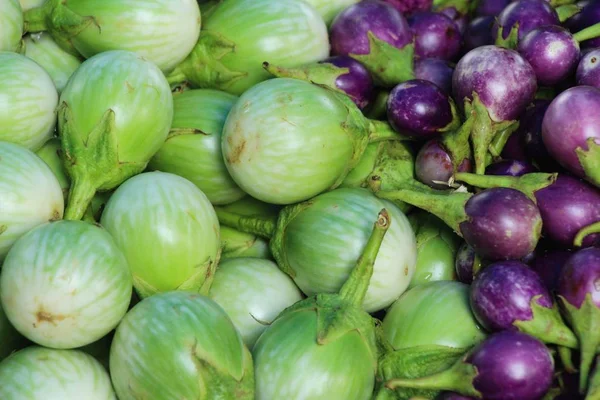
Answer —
(571, 131)
(453, 396)
(460, 20)
(579, 292)
(491, 8)
(341, 73)
(508, 295)
(376, 34)
(467, 263)
(499, 223)
(514, 149)
(588, 70)
(421, 110)
(570, 208)
(436, 35)
(435, 71)
(521, 17)
(530, 131)
(510, 168)
(499, 84)
(407, 7)
(588, 16)
(508, 365)
(479, 33)
(552, 51)
(549, 266)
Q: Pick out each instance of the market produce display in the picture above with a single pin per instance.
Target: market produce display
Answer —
(299, 199)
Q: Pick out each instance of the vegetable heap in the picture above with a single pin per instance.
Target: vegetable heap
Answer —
(299, 199)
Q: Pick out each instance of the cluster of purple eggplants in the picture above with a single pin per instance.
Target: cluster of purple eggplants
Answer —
(500, 101)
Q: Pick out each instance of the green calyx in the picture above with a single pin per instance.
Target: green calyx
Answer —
(593, 391)
(585, 232)
(323, 74)
(411, 363)
(590, 160)
(585, 322)
(511, 40)
(387, 64)
(378, 107)
(529, 184)
(203, 68)
(457, 378)
(456, 142)
(566, 11)
(547, 325)
(92, 164)
(55, 17)
(462, 6)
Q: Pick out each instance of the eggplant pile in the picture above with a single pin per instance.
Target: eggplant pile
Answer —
(299, 199)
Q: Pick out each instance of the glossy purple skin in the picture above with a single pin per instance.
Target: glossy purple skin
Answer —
(501, 295)
(407, 7)
(588, 16)
(552, 52)
(436, 35)
(419, 107)
(512, 365)
(478, 33)
(502, 224)
(491, 8)
(464, 263)
(580, 276)
(453, 396)
(588, 70)
(460, 20)
(435, 71)
(433, 163)
(514, 149)
(530, 132)
(549, 266)
(510, 168)
(504, 81)
(570, 120)
(349, 29)
(567, 206)
(357, 83)
(529, 14)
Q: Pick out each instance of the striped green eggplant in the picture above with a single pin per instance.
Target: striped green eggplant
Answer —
(11, 25)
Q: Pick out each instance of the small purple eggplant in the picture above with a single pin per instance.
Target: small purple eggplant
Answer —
(478, 33)
(570, 208)
(491, 8)
(435, 71)
(499, 83)
(508, 295)
(461, 20)
(376, 34)
(552, 51)
(341, 73)
(510, 168)
(499, 223)
(588, 70)
(467, 263)
(571, 131)
(421, 110)
(579, 292)
(523, 16)
(587, 17)
(407, 7)
(436, 36)
(507, 365)
(530, 130)
(549, 266)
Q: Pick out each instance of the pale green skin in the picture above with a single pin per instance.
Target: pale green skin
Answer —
(161, 31)
(135, 89)
(236, 244)
(28, 4)
(49, 153)
(329, 9)
(28, 100)
(166, 346)
(38, 373)
(170, 237)
(287, 33)
(284, 141)
(290, 365)
(30, 194)
(436, 313)
(10, 338)
(324, 241)
(59, 64)
(197, 156)
(11, 25)
(65, 284)
(253, 292)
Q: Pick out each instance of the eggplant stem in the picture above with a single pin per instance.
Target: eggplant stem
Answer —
(80, 196)
(588, 33)
(380, 131)
(263, 227)
(585, 232)
(355, 288)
